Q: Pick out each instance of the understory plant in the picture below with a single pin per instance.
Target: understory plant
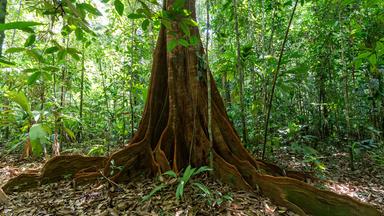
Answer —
(170, 178)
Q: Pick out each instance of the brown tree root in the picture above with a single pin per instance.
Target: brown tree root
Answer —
(57, 168)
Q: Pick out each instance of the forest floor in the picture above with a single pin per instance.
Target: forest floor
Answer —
(365, 184)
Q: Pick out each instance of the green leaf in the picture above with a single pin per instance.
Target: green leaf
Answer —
(22, 25)
(193, 40)
(30, 40)
(15, 49)
(372, 59)
(203, 188)
(203, 169)
(35, 54)
(185, 28)
(153, 192)
(51, 50)
(70, 133)
(178, 4)
(190, 22)
(74, 53)
(364, 55)
(145, 24)
(136, 16)
(5, 62)
(89, 8)
(170, 173)
(166, 23)
(34, 77)
(183, 42)
(171, 45)
(38, 137)
(180, 190)
(20, 99)
(119, 7)
(61, 54)
(50, 68)
(79, 34)
(189, 171)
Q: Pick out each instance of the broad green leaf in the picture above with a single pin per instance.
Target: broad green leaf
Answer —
(372, 59)
(51, 50)
(30, 40)
(202, 169)
(180, 190)
(79, 34)
(34, 77)
(21, 25)
(171, 45)
(74, 53)
(203, 188)
(358, 63)
(183, 42)
(38, 137)
(145, 24)
(136, 16)
(70, 133)
(89, 8)
(170, 173)
(190, 22)
(185, 28)
(61, 54)
(119, 7)
(30, 70)
(35, 54)
(15, 50)
(20, 99)
(189, 171)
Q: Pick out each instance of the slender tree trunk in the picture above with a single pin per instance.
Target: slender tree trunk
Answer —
(240, 72)
(209, 90)
(80, 135)
(106, 101)
(266, 126)
(346, 95)
(3, 12)
(132, 80)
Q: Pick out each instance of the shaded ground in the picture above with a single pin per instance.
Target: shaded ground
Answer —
(366, 184)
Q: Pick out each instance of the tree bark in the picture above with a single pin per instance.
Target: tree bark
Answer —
(3, 12)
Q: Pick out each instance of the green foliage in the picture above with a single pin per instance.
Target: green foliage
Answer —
(182, 182)
(119, 7)
(97, 150)
(21, 100)
(38, 137)
(20, 25)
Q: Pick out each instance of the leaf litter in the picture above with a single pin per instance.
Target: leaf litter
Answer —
(102, 199)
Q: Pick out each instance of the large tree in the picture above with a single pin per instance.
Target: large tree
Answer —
(173, 134)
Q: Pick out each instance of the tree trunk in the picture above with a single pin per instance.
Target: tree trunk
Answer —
(240, 73)
(3, 12)
(167, 138)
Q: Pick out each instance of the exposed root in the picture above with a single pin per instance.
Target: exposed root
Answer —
(58, 168)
